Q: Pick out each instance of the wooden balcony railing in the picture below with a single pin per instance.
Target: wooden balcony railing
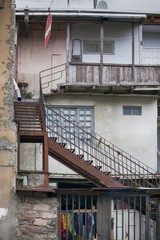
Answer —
(114, 74)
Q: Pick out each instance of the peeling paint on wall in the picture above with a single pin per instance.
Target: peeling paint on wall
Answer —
(8, 128)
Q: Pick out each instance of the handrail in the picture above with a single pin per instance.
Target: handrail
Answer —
(49, 72)
(128, 171)
(112, 160)
(100, 140)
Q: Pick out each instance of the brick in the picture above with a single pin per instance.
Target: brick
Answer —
(41, 207)
(40, 222)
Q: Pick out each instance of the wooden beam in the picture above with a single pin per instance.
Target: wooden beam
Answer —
(67, 52)
(101, 53)
(104, 216)
(133, 66)
(78, 165)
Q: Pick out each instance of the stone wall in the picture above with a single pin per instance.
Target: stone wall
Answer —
(37, 216)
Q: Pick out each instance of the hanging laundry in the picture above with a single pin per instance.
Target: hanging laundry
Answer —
(70, 222)
(89, 225)
(65, 225)
(78, 218)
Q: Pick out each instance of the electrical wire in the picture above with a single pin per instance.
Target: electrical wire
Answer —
(41, 15)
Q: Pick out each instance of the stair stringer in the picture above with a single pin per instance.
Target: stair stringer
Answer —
(80, 166)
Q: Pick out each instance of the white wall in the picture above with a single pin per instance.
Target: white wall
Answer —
(120, 33)
(136, 135)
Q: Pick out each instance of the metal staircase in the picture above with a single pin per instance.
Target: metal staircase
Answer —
(84, 151)
(58, 149)
(80, 149)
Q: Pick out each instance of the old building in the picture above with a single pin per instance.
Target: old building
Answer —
(88, 93)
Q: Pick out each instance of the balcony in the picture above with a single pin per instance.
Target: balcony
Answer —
(114, 74)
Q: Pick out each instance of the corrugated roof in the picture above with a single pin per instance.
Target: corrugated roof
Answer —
(146, 6)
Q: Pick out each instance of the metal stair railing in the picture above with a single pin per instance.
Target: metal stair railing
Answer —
(50, 75)
(114, 161)
(105, 156)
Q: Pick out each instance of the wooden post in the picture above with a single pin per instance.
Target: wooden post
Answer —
(133, 57)
(158, 219)
(147, 229)
(104, 217)
(67, 52)
(101, 53)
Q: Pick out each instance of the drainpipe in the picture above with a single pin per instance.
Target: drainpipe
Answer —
(86, 14)
(19, 98)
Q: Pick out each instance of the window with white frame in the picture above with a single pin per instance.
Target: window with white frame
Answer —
(93, 47)
(132, 110)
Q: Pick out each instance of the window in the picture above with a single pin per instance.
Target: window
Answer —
(94, 47)
(61, 120)
(158, 110)
(135, 110)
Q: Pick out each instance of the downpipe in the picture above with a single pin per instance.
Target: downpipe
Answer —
(16, 88)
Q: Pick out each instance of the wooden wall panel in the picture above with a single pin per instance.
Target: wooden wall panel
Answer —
(89, 74)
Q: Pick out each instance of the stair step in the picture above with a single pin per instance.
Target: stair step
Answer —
(98, 167)
(80, 156)
(107, 173)
(54, 138)
(28, 121)
(71, 150)
(30, 124)
(62, 144)
(25, 111)
(89, 161)
(29, 127)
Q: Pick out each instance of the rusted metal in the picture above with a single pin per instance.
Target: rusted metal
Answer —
(96, 155)
(80, 166)
(122, 166)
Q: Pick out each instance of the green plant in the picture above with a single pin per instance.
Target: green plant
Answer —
(26, 95)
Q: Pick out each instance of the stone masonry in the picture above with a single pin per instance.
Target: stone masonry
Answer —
(37, 217)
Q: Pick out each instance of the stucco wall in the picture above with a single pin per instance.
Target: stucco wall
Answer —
(33, 57)
(136, 135)
(7, 126)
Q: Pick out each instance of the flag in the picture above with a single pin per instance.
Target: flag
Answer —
(48, 29)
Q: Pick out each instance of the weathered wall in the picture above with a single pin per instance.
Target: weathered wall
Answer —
(7, 126)
(136, 135)
(37, 217)
(33, 57)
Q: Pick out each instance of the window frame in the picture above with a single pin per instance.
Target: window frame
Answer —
(132, 108)
(96, 42)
